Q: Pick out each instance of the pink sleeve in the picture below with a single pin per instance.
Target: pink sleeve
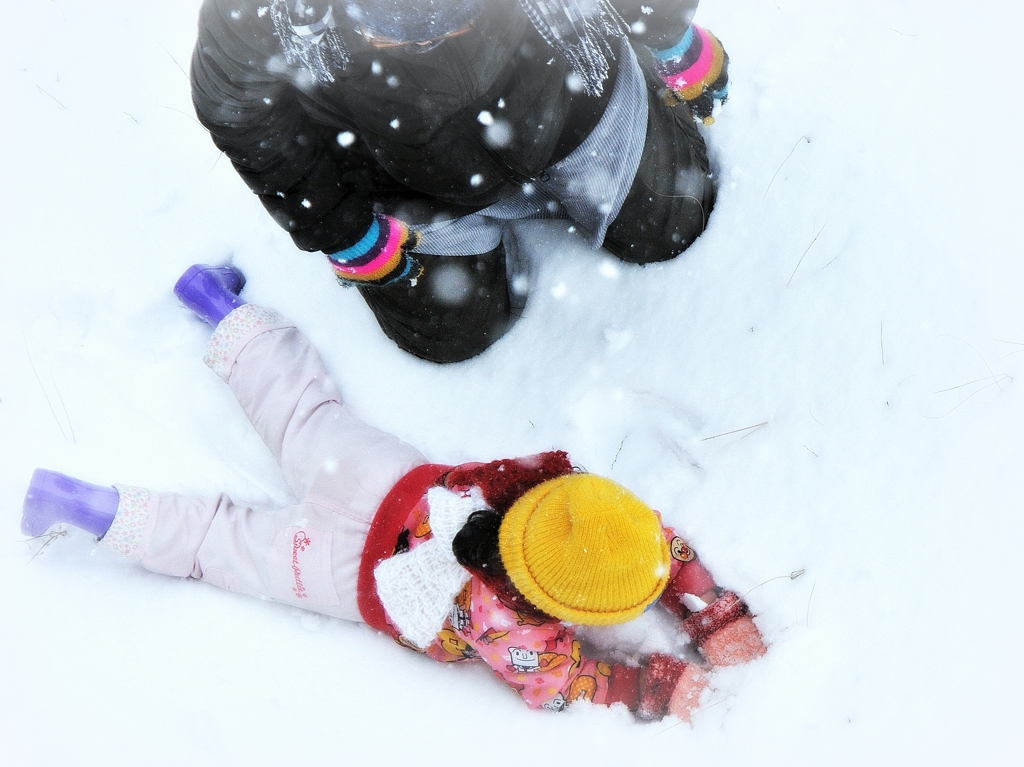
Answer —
(687, 575)
(541, 660)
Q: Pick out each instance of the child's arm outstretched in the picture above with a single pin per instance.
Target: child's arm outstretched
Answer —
(542, 660)
(717, 621)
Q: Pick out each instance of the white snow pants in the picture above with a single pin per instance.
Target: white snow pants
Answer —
(306, 555)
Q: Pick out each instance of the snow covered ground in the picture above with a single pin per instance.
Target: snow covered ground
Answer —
(828, 383)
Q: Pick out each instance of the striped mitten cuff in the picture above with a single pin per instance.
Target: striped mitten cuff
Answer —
(696, 70)
(724, 632)
(380, 257)
(657, 682)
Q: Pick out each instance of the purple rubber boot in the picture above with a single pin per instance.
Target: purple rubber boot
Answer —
(211, 292)
(53, 497)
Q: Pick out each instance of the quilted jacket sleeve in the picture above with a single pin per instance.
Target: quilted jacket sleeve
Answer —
(686, 576)
(248, 97)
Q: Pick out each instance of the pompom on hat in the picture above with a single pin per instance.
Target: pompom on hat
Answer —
(585, 550)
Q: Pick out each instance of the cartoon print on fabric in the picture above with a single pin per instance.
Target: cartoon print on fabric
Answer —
(422, 530)
(540, 659)
(557, 703)
(491, 635)
(551, 660)
(576, 656)
(523, 661)
(529, 661)
(680, 551)
(455, 646)
(583, 688)
(459, 617)
(529, 620)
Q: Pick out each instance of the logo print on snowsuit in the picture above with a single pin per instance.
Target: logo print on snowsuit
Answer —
(299, 543)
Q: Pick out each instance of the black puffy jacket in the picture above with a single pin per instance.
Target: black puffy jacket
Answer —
(396, 125)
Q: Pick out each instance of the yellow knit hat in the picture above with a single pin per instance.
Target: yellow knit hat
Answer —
(585, 550)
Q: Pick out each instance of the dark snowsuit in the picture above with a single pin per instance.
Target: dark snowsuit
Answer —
(401, 132)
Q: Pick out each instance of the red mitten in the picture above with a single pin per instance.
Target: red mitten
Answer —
(724, 632)
(657, 683)
(686, 695)
(692, 578)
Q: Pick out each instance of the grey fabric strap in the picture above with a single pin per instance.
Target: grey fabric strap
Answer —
(588, 186)
(593, 181)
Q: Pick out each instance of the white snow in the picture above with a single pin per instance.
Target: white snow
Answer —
(828, 381)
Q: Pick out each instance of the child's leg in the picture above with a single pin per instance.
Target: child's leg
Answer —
(304, 555)
(325, 451)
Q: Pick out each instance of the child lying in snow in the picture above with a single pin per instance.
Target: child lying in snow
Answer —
(492, 561)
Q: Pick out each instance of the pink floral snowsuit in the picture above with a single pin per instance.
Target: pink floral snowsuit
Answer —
(540, 659)
(357, 490)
